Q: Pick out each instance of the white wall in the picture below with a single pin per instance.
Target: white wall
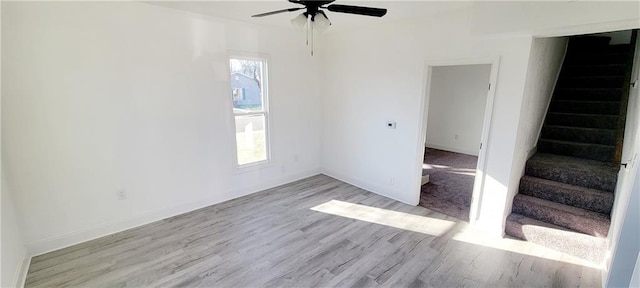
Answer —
(13, 249)
(624, 239)
(545, 62)
(102, 96)
(554, 18)
(377, 74)
(626, 249)
(457, 100)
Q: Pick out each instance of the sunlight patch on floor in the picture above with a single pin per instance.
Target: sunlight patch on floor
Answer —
(460, 171)
(400, 220)
(473, 236)
(434, 166)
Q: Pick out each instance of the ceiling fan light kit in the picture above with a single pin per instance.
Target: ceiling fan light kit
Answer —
(299, 22)
(315, 19)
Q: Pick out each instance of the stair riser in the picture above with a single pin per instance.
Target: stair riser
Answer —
(602, 108)
(588, 94)
(597, 136)
(591, 82)
(592, 152)
(597, 202)
(578, 120)
(561, 218)
(599, 70)
(583, 246)
(587, 179)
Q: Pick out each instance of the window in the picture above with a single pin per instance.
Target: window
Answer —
(250, 109)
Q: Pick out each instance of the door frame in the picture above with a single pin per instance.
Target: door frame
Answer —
(480, 178)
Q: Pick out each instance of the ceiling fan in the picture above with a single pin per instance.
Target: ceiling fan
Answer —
(313, 8)
(314, 17)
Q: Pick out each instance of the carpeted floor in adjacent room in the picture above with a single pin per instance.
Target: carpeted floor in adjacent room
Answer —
(450, 186)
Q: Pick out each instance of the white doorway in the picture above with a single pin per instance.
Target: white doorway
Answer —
(457, 110)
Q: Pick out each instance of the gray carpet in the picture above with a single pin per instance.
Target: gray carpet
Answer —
(450, 186)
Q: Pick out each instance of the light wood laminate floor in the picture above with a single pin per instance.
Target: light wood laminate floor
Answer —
(314, 232)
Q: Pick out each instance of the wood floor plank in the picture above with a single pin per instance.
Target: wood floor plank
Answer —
(313, 232)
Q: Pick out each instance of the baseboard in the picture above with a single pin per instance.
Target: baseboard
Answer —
(456, 150)
(21, 272)
(68, 239)
(365, 185)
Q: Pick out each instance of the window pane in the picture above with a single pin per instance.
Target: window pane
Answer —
(251, 139)
(246, 85)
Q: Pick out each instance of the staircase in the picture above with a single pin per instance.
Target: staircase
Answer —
(565, 197)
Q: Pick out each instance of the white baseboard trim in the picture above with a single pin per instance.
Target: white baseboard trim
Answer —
(68, 239)
(21, 272)
(365, 185)
(456, 150)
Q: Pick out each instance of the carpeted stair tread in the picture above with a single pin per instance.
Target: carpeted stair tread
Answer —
(594, 69)
(555, 237)
(602, 57)
(579, 134)
(594, 77)
(599, 81)
(592, 94)
(576, 196)
(582, 120)
(575, 171)
(566, 195)
(572, 218)
(618, 48)
(585, 107)
(590, 151)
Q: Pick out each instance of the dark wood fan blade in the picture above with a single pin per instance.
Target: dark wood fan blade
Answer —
(278, 12)
(367, 11)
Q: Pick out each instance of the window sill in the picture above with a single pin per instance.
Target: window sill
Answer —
(251, 167)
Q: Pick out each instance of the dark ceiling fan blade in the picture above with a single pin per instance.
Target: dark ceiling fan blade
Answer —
(368, 11)
(278, 11)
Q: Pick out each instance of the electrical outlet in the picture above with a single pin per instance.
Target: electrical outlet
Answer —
(121, 194)
(455, 137)
(392, 180)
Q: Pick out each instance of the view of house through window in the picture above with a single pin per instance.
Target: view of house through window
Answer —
(248, 92)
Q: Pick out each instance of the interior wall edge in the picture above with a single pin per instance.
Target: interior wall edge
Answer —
(21, 276)
(61, 241)
(364, 185)
(591, 28)
(553, 91)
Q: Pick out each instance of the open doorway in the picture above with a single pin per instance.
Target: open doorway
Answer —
(457, 113)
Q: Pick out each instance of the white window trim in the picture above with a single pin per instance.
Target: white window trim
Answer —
(243, 168)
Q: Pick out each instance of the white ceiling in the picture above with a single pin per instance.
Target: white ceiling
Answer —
(242, 11)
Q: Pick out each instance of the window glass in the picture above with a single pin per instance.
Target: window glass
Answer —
(248, 94)
(246, 84)
(251, 138)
